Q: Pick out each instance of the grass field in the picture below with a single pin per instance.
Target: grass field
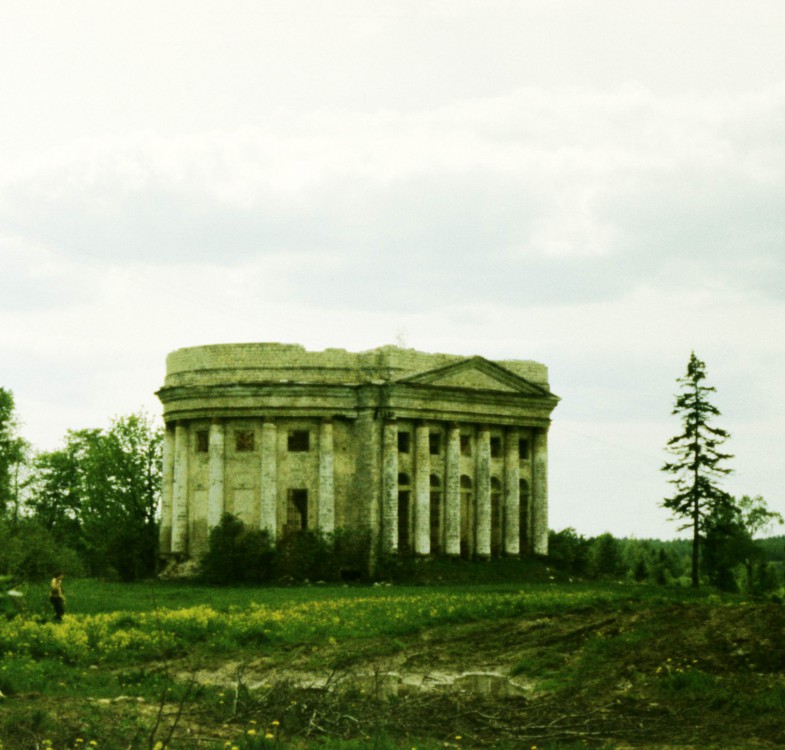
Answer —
(551, 665)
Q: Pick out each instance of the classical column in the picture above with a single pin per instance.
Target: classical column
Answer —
(167, 479)
(367, 481)
(326, 519)
(390, 487)
(216, 466)
(540, 493)
(452, 515)
(483, 496)
(180, 490)
(422, 490)
(268, 516)
(512, 493)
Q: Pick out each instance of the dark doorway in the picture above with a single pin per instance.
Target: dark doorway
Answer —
(296, 511)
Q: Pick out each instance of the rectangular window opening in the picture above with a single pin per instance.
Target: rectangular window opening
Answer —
(244, 441)
(202, 441)
(404, 442)
(435, 443)
(466, 445)
(523, 448)
(496, 446)
(299, 441)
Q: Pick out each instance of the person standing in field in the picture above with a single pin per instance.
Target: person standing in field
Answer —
(57, 596)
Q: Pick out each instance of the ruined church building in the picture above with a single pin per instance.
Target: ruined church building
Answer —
(431, 454)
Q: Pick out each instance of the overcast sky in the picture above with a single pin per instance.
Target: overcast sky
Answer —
(598, 186)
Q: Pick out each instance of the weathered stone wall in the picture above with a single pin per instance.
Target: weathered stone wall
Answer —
(257, 363)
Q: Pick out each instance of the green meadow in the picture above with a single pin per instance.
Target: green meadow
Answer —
(170, 665)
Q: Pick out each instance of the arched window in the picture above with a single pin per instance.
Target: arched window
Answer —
(497, 517)
(467, 516)
(436, 514)
(524, 516)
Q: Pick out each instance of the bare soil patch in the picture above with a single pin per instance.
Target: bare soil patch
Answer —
(680, 676)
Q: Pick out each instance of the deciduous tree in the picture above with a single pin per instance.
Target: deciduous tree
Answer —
(100, 494)
(13, 450)
(730, 542)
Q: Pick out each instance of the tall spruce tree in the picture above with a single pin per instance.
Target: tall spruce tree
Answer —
(697, 464)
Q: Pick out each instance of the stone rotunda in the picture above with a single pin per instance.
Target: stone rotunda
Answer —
(431, 454)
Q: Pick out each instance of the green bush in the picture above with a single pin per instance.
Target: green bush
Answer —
(569, 551)
(237, 554)
(29, 552)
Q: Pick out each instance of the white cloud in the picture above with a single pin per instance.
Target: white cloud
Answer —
(580, 183)
(627, 183)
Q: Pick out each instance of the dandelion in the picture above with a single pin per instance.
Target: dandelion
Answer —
(277, 723)
(458, 737)
(251, 732)
(269, 736)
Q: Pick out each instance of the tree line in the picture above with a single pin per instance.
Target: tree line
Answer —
(755, 567)
(90, 507)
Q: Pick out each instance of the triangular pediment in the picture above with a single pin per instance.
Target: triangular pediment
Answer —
(476, 373)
